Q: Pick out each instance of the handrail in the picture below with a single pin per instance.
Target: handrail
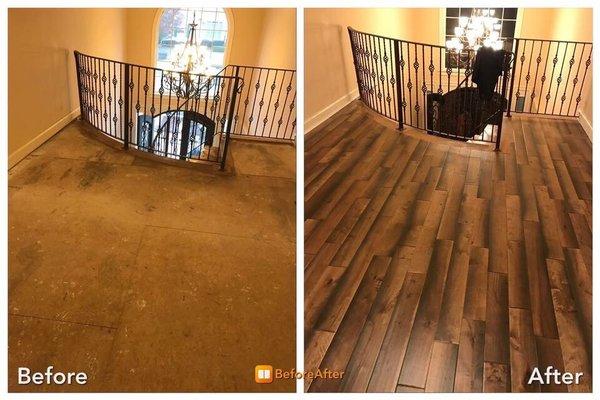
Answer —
(393, 38)
(145, 66)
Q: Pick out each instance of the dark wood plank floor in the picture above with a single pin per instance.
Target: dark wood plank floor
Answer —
(435, 265)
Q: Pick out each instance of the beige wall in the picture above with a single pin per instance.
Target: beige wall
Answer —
(42, 82)
(557, 23)
(278, 39)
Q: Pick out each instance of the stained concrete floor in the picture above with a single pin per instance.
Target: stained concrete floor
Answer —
(151, 277)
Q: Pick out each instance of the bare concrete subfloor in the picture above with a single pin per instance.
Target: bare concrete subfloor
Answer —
(151, 277)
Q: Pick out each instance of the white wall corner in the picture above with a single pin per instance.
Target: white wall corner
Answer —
(321, 116)
(585, 124)
(37, 141)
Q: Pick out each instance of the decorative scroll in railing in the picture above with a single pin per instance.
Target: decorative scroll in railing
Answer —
(170, 114)
(548, 76)
(420, 85)
(267, 102)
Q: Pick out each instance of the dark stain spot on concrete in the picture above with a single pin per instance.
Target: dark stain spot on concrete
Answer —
(27, 259)
(108, 269)
(94, 172)
(34, 173)
(66, 173)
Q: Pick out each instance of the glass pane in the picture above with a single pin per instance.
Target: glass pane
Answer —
(451, 23)
(211, 34)
(508, 29)
(452, 12)
(466, 12)
(510, 13)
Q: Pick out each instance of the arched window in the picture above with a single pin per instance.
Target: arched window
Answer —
(211, 35)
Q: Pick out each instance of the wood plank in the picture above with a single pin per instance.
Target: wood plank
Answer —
(518, 280)
(453, 300)
(469, 368)
(580, 285)
(496, 320)
(442, 368)
(523, 352)
(476, 291)
(514, 224)
(389, 362)
(549, 223)
(549, 354)
(418, 353)
(314, 353)
(496, 378)
(428, 234)
(540, 297)
(317, 293)
(570, 332)
(498, 234)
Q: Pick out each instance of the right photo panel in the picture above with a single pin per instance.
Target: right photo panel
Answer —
(448, 199)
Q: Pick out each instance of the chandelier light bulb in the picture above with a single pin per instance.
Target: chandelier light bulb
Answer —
(481, 29)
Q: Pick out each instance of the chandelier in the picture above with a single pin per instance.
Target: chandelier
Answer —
(480, 29)
(189, 66)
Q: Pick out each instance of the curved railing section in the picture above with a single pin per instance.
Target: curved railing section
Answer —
(185, 116)
(427, 87)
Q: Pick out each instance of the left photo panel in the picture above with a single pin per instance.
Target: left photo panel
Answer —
(152, 199)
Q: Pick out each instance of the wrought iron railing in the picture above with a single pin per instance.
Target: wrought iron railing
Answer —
(267, 102)
(416, 84)
(185, 116)
(427, 87)
(549, 76)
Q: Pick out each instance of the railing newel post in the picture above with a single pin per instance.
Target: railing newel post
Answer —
(507, 61)
(234, 91)
(78, 70)
(398, 83)
(126, 120)
(512, 79)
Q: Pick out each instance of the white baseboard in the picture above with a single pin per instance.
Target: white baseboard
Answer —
(585, 124)
(37, 141)
(314, 121)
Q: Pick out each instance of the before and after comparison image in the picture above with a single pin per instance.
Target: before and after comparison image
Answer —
(255, 200)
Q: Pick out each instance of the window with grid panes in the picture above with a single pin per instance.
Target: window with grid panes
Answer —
(174, 30)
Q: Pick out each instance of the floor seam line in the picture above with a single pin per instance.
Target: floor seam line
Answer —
(62, 321)
(220, 234)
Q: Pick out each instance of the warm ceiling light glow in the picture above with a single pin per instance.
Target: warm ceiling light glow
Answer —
(481, 29)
